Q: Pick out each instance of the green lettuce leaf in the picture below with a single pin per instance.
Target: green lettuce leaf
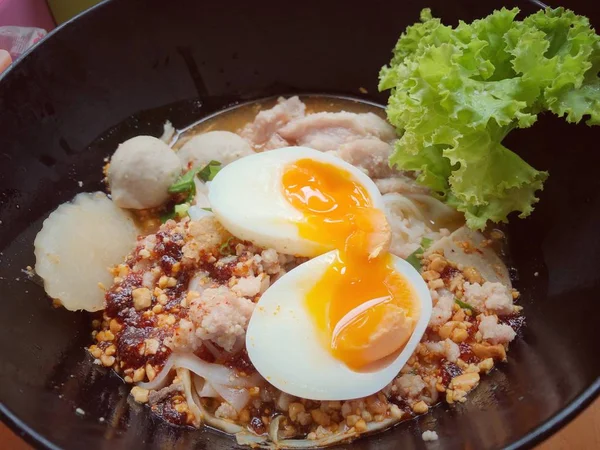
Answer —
(457, 92)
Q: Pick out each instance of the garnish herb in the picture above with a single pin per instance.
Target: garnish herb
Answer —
(167, 216)
(414, 259)
(209, 171)
(465, 305)
(185, 183)
(224, 249)
(181, 210)
(426, 242)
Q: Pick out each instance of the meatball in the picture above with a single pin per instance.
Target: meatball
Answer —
(222, 146)
(141, 171)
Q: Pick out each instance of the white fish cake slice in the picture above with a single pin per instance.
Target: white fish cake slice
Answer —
(77, 244)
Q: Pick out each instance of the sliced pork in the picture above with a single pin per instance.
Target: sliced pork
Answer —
(401, 184)
(328, 131)
(263, 132)
(370, 155)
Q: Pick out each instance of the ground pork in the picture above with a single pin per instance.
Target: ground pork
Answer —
(409, 385)
(206, 234)
(149, 279)
(494, 332)
(494, 297)
(270, 261)
(442, 311)
(184, 337)
(276, 264)
(226, 411)
(251, 286)
(221, 316)
(447, 349)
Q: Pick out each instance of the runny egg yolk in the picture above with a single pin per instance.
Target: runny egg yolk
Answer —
(365, 310)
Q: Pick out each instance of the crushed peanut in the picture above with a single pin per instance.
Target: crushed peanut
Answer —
(142, 298)
(139, 394)
(150, 372)
(420, 407)
(465, 382)
(360, 426)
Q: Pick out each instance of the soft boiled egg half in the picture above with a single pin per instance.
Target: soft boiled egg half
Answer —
(341, 325)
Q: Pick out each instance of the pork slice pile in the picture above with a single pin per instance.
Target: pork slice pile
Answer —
(364, 140)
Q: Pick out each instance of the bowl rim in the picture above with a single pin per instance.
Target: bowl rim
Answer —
(535, 436)
(530, 440)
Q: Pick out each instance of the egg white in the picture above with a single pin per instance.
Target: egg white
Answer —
(247, 198)
(283, 344)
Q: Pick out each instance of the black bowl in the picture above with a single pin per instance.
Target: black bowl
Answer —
(126, 66)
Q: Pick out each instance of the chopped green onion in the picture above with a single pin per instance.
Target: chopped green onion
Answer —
(167, 216)
(209, 171)
(185, 183)
(414, 259)
(207, 209)
(224, 249)
(190, 198)
(181, 210)
(426, 243)
(465, 305)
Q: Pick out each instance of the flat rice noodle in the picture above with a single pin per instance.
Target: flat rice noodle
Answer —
(214, 373)
(424, 208)
(436, 213)
(402, 206)
(483, 259)
(204, 389)
(274, 429)
(237, 398)
(160, 381)
(184, 376)
(252, 440)
(239, 345)
(247, 438)
(218, 354)
(407, 223)
(224, 425)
